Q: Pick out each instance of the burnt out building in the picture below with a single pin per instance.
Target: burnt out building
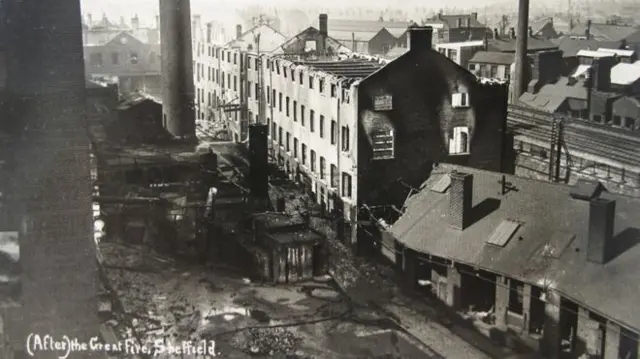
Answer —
(419, 110)
(531, 264)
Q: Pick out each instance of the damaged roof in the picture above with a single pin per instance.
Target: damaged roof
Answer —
(547, 247)
(130, 100)
(349, 68)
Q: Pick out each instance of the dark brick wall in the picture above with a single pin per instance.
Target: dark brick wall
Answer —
(421, 83)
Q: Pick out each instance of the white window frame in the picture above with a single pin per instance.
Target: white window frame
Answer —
(457, 136)
(460, 100)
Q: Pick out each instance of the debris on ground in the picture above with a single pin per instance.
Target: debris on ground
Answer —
(267, 341)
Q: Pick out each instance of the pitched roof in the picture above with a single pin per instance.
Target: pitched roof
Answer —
(270, 38)
(547, 249)
(311, 32)
(350, 68)
(491, 57)
(607, 32)
(507, 44)
(538, 25)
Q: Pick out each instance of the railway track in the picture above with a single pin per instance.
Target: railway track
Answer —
(602, 142)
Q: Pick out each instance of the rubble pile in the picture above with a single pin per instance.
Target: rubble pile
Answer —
(267, 341)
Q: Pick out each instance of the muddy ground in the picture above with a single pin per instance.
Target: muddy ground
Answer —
(176, 299)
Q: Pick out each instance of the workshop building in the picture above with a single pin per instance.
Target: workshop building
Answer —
(530, 263)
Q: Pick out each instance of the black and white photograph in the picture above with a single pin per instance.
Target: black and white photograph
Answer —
(200, 179)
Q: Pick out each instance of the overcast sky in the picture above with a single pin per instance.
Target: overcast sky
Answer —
(147, 8)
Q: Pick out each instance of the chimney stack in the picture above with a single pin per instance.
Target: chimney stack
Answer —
(323, 23)
(258, 161)
(600, 73)
(474, 15)
(520, 62)
(602, 213)
(530, 31)
(420, 38)
(157, 22)
(495, 33)
(238, 31)
(587, 31)
(512, 33)
(209, 32)
(460, 199)
(135, 22)
(89, 20)
(178, 89)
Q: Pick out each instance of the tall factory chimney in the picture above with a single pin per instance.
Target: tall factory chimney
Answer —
(178, 114)
(324, 33)
(50, 196)
(520, 63)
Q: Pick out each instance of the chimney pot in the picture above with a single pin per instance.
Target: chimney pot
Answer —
(420, 38)
(602, 213)
(238, 31)
(460, 199)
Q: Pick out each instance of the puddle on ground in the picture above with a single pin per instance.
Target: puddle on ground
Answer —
(230, 313)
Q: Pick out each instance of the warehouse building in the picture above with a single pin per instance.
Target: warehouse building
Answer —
(354, 128)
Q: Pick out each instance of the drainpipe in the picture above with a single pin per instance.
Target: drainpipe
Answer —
(354, 155)
(339, 152)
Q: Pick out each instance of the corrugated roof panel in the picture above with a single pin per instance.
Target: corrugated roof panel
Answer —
(503, 233)
(442, 185)
(557, 244)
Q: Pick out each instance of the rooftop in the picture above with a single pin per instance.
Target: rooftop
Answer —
(570, 47)
(492, 57)
(607, 32)
(270, 38)
(508, 44)
(349, 68)
(594, 54)
(547, 247)
(457, 45)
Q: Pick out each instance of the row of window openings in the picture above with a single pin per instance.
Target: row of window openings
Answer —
(213, 75)
(629, 122)
(321, 169)
(489, 71)
(97, 59)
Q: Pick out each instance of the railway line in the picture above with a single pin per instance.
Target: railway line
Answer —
(580, 138)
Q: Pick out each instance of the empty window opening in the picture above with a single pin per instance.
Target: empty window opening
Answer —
(459, 140)
(516, 292)
(383, 144)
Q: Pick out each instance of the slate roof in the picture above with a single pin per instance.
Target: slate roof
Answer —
(547, 213)
(605, 32)
(491, 57)
(507, 44)
(570, 47)
(350, 68)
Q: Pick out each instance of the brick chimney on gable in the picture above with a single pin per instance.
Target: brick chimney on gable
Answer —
(420, 38)
(460, 200)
